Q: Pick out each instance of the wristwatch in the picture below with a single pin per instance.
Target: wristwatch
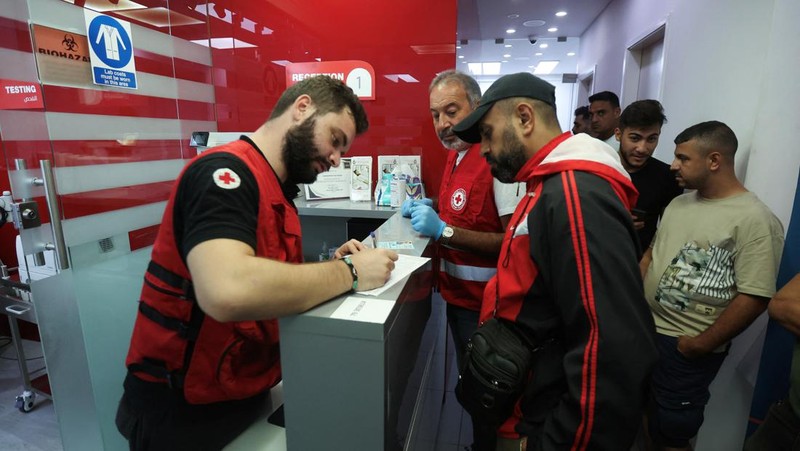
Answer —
(447, 233)
(353, 272)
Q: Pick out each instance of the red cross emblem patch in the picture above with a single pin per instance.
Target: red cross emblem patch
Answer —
(458, 199)
(227, 179)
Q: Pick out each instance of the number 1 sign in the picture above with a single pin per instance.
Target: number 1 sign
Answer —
(358, 75)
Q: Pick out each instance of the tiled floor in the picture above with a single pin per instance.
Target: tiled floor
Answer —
(36, 430)
(445, 425)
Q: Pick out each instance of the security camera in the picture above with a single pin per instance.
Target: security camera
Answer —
(532, 39)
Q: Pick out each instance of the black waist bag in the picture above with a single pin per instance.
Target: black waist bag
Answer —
(495, 370)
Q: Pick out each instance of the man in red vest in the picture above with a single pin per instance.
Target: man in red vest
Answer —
(226, 263)
(473, 210)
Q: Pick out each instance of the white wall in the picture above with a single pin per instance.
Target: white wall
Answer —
(733, 61)
(564, 96)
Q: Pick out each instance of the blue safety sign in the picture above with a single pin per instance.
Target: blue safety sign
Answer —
(110, 50)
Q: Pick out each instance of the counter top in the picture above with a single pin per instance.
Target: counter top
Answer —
(343, 208)
(318, 319)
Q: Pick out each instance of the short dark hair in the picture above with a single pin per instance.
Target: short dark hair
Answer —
(642, 113)
(583, 111)
(711, 136)
(607, 96)
(329, 96)
(471, 87)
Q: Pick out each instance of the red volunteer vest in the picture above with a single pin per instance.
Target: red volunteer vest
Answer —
(466, 200)
(175, 342)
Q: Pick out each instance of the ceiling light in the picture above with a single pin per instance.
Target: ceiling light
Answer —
(513, 16)
(111, 5)
(408, 78)
(538, 54)
(458, 47)
(461, 56)
(561, 14)
(552, 29)
(533, 23)
(511, 31)
(571, 54)
(248, 25)
(159, 17)
(507, 45)
(507, 55)
(491, 68)
(475, 68)
(542, 46)
(226, 43)
(545, 67)
(504, 61)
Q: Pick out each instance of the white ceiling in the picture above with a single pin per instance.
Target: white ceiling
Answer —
(481, 22)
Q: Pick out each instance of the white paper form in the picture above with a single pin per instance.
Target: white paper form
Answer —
(404, 266)
(364, 309)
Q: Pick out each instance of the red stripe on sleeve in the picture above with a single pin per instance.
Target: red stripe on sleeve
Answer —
(589, 367)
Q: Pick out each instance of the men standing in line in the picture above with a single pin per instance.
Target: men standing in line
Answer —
(567, 274)
(639, 128)
(474, 209)
(708, 274)
(583, 121)
(604, 108)
(227, 261)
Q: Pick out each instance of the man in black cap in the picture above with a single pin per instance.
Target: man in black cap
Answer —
(567, 274)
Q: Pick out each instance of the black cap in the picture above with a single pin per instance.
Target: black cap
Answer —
(523, 84)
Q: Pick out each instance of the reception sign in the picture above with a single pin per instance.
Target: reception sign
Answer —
(358, 75)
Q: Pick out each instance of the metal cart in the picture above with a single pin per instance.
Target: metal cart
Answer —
(15, 302)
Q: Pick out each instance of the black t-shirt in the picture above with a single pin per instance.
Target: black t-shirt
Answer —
(205, 209)
(657, 187)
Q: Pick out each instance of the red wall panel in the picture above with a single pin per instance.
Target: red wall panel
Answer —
(248, 83)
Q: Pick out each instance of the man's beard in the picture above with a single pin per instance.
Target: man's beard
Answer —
(506, 166)
(299, 153)
(457, 145)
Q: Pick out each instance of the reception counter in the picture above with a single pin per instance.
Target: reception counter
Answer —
(355, 384)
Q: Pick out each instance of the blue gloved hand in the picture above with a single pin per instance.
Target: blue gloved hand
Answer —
(405, 209)
(425, 221)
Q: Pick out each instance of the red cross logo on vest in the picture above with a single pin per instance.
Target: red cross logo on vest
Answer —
(458, 199)
(227, 179)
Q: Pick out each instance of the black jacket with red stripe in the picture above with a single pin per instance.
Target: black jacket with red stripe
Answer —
(568, 272)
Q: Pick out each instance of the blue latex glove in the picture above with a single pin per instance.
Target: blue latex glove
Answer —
(425, 221)
(405, 209)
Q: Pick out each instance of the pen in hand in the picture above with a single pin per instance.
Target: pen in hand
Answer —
(372, 240)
